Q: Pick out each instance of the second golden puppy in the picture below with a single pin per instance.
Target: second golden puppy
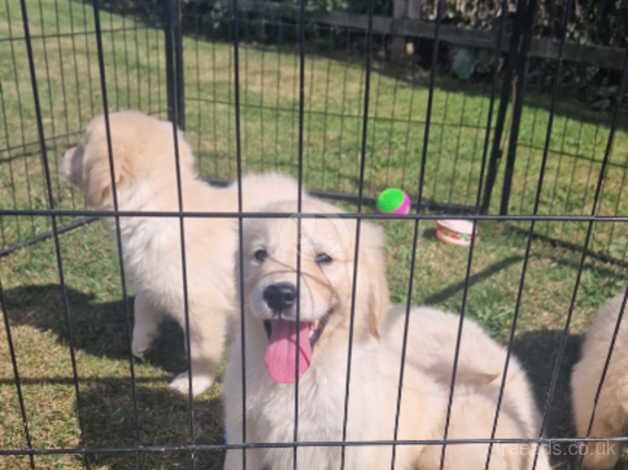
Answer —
(144, 160)
(278, 349)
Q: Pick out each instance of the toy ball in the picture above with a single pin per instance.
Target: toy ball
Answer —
(393, 201)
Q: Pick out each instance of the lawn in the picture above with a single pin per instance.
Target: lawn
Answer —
(69, 89)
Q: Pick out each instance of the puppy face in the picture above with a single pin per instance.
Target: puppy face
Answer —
(87, 166)
(142, 149)
(326, 257)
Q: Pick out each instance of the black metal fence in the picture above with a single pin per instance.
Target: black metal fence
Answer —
(286, 90)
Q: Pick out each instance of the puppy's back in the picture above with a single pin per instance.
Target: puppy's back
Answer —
(611, 415)
(432, 336)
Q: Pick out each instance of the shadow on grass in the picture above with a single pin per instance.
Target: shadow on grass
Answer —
(537, 352)
(107, 408)
(109, 422)
(99, 329)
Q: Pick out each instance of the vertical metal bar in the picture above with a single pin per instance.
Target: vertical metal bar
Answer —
(138, 65)
(574, 166)
(199, 119)
(236, 101)
(363, 148)
(262, 103)
(619, 199)
(20, 110)
(406, 147)
(89, 62)
(112, 39)
(453, 181)
(310, 117)
(53, 218)
(295, 106)
(63, 89)
(12, 185)
(537, 200)
(16, 375)
(125, 299)
(415, 235)
(526, 170)
(174, 63)
(53, 127)
(245, 86)
(299, 222)
(278, 89)
(158, 60)
(522, 68)
(585, 248)
(442, 126)
(391, 132)
(127, 67)
(62, 73)
(149, 91)
(496, 150)
(325, 115)
(76, 73)
(175, 88)
(557, 173)
(229, 98)
(214, 110)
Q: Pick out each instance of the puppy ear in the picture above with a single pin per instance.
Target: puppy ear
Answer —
(373, 264)
(97, 173)
(70, 167)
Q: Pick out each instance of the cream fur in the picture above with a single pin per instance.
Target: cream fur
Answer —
(145, 174)
(326, 289)
(611, 415)
(431, 348)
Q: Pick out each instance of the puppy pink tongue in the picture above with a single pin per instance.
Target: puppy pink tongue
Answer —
(280, 356)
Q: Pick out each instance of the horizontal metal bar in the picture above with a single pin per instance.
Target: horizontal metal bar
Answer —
(33, 143)
(353, 198)
(308, 215)
(77, 33)
(108, 379)
(22, 146)
(45, 236)
(328, 113)
(292, 444)
(573, 246)
(572, 155)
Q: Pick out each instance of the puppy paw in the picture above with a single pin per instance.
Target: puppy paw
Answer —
(200, 383)
(139, 346)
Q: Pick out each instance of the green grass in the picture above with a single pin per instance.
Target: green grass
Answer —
(135, 74)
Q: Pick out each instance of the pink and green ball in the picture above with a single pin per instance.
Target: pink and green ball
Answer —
(393, 201)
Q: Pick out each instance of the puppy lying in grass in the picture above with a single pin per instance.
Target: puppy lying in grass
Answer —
(611, 413)
(278, 349)
(143, 155)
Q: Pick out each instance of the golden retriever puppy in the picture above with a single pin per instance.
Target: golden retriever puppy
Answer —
(611, 413)
(278, 349)
(431, 343)
(143, 155)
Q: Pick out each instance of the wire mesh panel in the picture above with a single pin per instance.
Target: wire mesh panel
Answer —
(334, 88)
(520, 129)
(63, 41)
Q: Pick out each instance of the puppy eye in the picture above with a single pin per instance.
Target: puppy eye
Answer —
(323, 258)
(260, 255)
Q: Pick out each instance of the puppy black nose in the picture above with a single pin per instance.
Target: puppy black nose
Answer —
(280, 296)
